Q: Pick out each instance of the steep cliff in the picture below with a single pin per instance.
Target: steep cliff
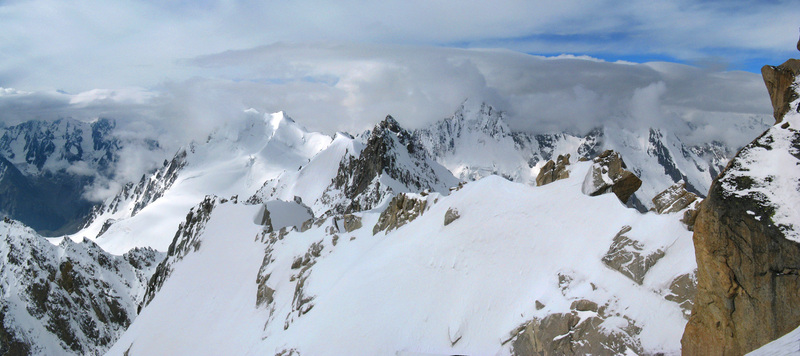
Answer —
(747, 242)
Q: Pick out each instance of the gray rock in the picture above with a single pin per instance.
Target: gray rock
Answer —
(682, 290)
(350, 222)
(625, 256)
(450, 216)
(673, 199)
(608, 175)
(568, 334)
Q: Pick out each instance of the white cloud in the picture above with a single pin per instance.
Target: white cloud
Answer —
(78, 46)
(350, 87)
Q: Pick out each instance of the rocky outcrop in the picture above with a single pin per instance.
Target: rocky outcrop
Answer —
(391, 154)
(683, 290)
(747, 245)
(627, 257)
(779, 80)
(348, 223)
(401, 210)
(608, 174)
(673, 199)
(553, 171)
(451, 215)
(574, 334)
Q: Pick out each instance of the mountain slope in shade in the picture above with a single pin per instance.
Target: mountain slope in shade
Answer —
(509, 255)
(54, 163)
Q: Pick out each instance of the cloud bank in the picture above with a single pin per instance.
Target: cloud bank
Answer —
(351, 87)
(81, 45)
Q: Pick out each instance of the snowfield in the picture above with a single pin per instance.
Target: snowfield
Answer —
(235, 161)
(422, 288)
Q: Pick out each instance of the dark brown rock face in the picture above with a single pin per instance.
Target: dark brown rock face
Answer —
(778, 80)
(748, 257)
(748, 279)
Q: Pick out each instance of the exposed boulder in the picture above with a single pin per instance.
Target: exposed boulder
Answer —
(747, 245)
(553, 171)
(348, 223)
(608, 174)
(574, 334)
(682, 290)
(673, 199)
(627, 256)
(401, 210)
(689, 217)
(778, 80)
(450, 216)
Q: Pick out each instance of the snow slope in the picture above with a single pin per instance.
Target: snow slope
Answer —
(422, 288)
(234, 161)
(786, 345)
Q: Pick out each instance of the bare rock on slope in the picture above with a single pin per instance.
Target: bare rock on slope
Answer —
(673, 199)
(553, 171)
(401, 210)
(608, 174)
(627, 256)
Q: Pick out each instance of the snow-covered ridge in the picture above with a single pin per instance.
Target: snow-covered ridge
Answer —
(471, 286)
(269, 156)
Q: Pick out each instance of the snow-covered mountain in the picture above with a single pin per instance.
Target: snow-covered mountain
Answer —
(510, 260)
(48, 165)
(70, 298)
(358, 173)
(234, 162)
(410, 240)
(476, 142)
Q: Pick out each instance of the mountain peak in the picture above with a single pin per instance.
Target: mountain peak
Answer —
(278, 119)
(389, 123)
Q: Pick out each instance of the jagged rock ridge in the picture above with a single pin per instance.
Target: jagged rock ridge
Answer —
(392, 161)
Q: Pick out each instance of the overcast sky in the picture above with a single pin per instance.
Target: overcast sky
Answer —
(343, 64)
